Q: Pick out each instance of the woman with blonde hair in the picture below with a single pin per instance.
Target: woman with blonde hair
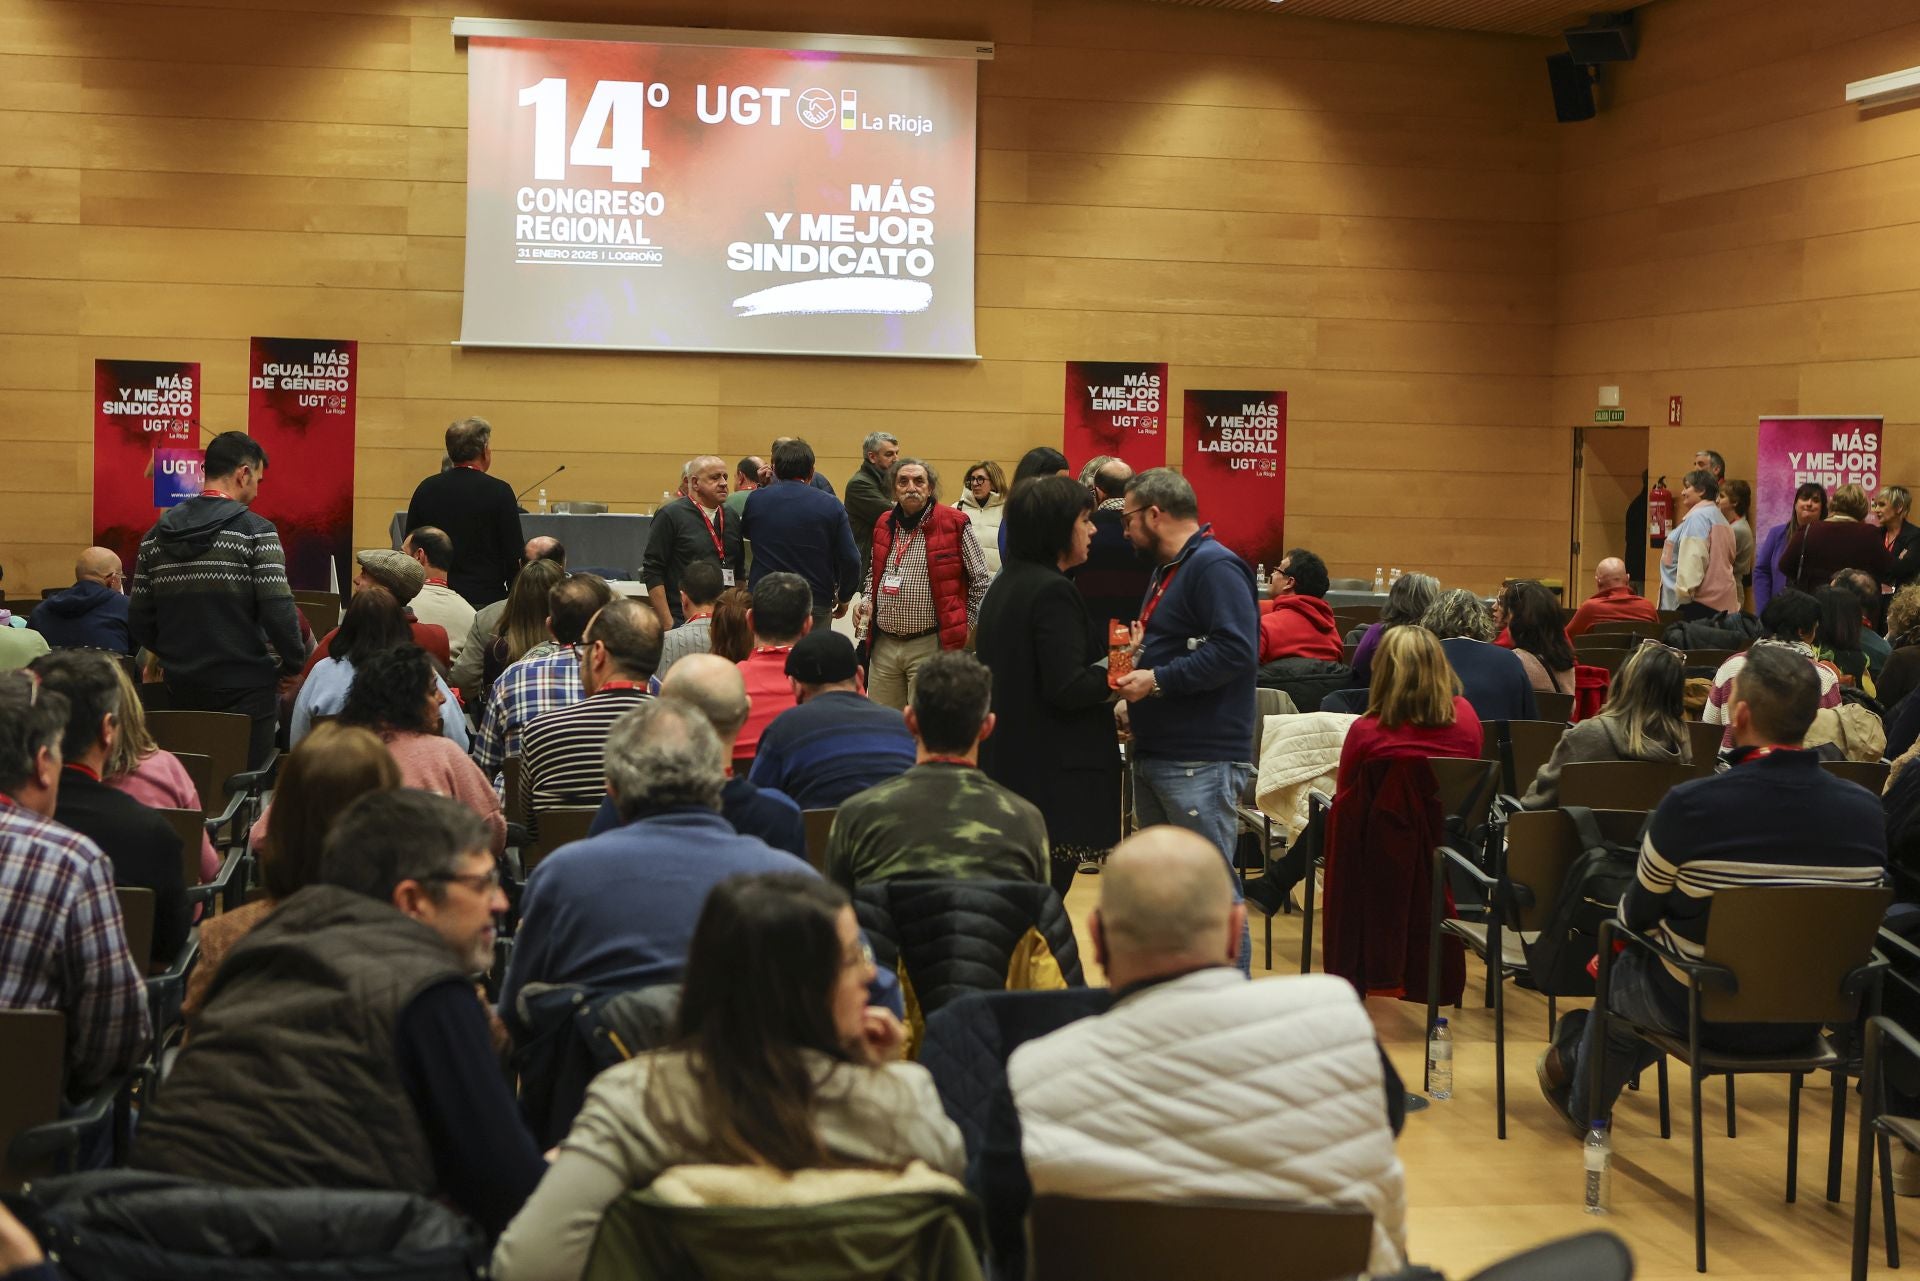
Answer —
(148, 772)
(1842, 541)
(1414, 706)
(1643, 720)
(985, 505)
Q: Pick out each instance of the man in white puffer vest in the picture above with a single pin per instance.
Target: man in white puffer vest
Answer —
(1198, 1083)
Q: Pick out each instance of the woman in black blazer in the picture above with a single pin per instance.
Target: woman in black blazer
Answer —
(1053, 740)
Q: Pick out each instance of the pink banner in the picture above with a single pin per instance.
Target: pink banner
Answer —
(1829, 451)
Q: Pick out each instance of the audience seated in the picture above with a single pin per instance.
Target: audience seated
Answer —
(1107, 1105)
(1776, 818)
(1530, 615)
(731, 636)
(1613, 600)
(700, 586)
(777, 1062)
(1407, 602)
(342, 1045)
(1837, 639)
(944, 817)
(781, 613)
(1297, 622)
(1866, 593)
(1414, 706)
(397, 696)
(20, 645)
(1902, 671)
(404, 578)
(373, 625)
(1643, 720)
(142, 846)
(469, 666)
(563, 749)
(1791, 619)
(534, 686)
(617, 910)
(438, 604)
(713, 685)
(91, 614)
(333, 767)
(63, 945)
(1493, 679)
(834, 741)
(520, 628)
(148, 772)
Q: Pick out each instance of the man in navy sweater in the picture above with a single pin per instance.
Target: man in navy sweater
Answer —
(1775, 818)
(797, 529)
(1189, 698)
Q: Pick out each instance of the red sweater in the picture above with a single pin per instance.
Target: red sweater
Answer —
(1299, 627)
(1615, 605)
(1368, 740)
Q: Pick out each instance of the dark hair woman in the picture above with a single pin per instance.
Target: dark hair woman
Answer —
(399, 696)
(1053, 741)
(374, 624)
(1769, 578)
(1837, 639)
(777, 1060)
(1538, 636)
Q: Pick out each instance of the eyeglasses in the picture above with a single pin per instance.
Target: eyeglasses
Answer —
(478, 882)
(861, 959)
(1128, 513)
(1657, 643)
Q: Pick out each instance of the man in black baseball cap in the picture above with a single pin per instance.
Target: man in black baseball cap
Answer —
(835, 742)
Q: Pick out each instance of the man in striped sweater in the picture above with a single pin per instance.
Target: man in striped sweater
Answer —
(1775, 818)
(210, 596)
(564, 749)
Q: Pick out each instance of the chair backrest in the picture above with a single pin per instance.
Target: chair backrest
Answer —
(1554, 707)
(1612, 660)
(199, 767)
(564, 824)
(512, 772)
(1709, 657)
(226, 737)
(1542, 846)
(190, 826)
(1492, 734)
(1465, 788)
(1871, 775)
(322, 616)
(31, 1076)
(1355, 615)
(1620, 785)
(1531, 744)
(1085, 1237)
(136, 911)
(1792, 948)
(1625, 627)
(819, 825)
(1592, 641)
(1272, 702)
(1706, 741)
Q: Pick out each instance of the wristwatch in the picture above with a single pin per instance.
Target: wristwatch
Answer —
(1156, 691)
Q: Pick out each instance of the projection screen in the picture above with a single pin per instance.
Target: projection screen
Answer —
(652, 189)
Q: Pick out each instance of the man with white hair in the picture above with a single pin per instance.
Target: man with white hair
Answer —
(688, 531)
(1613, 600)
(1298, 1103)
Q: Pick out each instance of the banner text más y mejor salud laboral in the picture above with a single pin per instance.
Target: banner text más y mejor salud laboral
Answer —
(719, 191)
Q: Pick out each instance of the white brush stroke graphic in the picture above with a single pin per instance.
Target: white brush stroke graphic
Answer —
(842, 295)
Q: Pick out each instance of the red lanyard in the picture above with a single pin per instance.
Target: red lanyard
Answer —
(216, 493)
(1153, 602)
(1761, 753)
(466, 466)
(900, 549)
(713, 528)
(7, 802)
(88, 770)
(436, 582)
(613, 685)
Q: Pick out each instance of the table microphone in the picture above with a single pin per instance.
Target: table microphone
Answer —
(536, 484)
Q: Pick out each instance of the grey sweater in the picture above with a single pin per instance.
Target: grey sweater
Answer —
(1598, 738)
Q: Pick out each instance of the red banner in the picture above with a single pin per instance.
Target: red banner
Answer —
(301, 407)
(146, 446)
(1118, 408)
(1235, 457)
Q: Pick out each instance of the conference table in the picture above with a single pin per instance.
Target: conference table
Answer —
(615, 541)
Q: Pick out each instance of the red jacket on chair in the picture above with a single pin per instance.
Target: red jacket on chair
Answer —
(1381, 836)
(1299, 627)
(941, 526)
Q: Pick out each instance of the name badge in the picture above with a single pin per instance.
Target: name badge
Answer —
(890, 584)
(726, 576)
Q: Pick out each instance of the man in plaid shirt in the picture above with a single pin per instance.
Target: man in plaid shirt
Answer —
(534, 686)
(63, 945)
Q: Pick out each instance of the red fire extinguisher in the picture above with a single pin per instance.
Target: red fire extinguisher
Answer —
(1659, 512)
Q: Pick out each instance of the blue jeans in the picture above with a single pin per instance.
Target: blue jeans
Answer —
(1199, 796)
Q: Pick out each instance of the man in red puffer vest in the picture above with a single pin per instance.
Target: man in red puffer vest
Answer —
(1298, 622)
(925, 585)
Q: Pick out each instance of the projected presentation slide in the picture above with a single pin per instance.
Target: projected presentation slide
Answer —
(658, 196)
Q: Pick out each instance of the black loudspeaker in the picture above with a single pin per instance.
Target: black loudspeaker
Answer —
(1572, 88)
(1606, 37)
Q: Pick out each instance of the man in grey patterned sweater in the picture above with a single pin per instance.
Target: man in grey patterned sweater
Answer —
(210, 596)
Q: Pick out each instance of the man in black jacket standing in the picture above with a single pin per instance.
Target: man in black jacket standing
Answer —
(477, 511)
(688, 530)
(210, 596)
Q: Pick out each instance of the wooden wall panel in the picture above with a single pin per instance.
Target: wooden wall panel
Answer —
(1363, 216)
(1730, 231)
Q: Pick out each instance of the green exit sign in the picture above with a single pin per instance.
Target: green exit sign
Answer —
(1609, 415)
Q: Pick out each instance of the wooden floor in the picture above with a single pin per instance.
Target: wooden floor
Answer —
(1474, 1199)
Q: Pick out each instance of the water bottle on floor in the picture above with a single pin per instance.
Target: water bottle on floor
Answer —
(1440, 1061)
(1599, 1168)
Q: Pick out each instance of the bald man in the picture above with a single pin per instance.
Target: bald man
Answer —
(1613, 600)
(694, 528)
(713, 685)
(1197, 1083)
(91, 614)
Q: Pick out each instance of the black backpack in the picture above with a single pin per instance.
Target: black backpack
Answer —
(1589, 897)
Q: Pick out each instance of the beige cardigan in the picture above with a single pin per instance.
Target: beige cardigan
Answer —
(884, 1116)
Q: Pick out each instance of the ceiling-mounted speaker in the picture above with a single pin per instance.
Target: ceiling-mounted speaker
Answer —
(1606, 37)
(1572, 88)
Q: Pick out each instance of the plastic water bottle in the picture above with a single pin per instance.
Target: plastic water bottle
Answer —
(1379, 578)
(1393, 576)
(1440, 1061)
(1599, 1168)
(543, 502)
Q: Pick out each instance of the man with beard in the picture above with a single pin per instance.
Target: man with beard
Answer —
(924, 586)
